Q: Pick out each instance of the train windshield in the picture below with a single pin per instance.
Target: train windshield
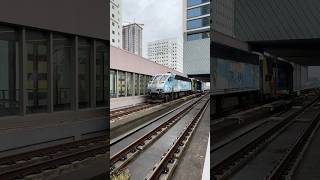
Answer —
(164, 78)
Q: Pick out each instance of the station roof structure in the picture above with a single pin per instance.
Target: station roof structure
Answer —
(125, 61)
(287, 29)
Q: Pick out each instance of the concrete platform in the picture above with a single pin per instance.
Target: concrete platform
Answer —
(25, 133)
(192, 162)
(122, 102)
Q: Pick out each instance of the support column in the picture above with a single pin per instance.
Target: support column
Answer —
(133, 84)
(126, 84)
(93, 71)
(22, 76)
(50, 74)
(75, 77)
(117, 74)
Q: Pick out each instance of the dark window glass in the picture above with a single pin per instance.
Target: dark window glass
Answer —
(129, 84)
(198, 23)
(196, 36)
(37, 71)
(199, 11)
(136, 84)
(62, 50)
(113, 79)
(84, 72)
(9, 72)
(196, 2)
(142, 84)
(121, 83)
(101, 74)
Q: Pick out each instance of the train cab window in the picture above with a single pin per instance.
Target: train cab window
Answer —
(163, 78)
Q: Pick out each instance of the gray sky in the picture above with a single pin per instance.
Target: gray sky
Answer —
(161, 18)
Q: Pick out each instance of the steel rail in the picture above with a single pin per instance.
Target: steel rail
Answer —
(120, 159)
(126, 111)
(288, 164)
(177, 148)
(54, 162)
(230, 164)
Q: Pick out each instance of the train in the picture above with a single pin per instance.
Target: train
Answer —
(266, 77)
(168, 86)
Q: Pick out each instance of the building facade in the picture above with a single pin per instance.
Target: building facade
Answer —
(54, 63)
(127, 78)
(132, 38)
(196, 33)
(116, 23)
(167, 52)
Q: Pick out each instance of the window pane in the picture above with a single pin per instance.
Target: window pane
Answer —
(62, 50)
(121, 83)
(113, 83)
(84, 72)
(199, 11)
(198, 23)
(9, 72)
(37, 71)
(136, 84)
(196, 36)
(142, 84)
(129, 84)
(101, 74)
(196, 2)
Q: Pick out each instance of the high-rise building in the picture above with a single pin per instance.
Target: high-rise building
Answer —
(167, 52)
(132, 38)
(115, 23)
(196, 35)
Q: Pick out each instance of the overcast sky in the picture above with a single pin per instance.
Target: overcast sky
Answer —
(161, 18)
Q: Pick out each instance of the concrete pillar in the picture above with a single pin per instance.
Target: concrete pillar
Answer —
(75, 77)
(50, 74)
(93, 70)
(22, 76)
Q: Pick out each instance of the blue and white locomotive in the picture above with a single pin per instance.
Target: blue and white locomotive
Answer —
(169, 86)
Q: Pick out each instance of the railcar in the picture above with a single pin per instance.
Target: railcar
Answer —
(169, 86)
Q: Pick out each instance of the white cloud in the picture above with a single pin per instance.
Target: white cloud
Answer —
(161, 18)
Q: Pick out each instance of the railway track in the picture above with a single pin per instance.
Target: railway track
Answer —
(43, 160)
(136, 148)
(282, 141)
(126, 111)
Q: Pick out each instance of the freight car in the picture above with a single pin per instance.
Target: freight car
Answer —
(276, 77)
(168, 86)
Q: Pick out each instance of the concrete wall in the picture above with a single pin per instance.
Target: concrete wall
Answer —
(223, 16)
(257, 20)
(196, 57)
(82, 17)
(125, 61)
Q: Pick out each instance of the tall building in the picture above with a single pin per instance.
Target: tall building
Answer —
(132, 38)
(115, 23)
(167, 52)
(196, 35)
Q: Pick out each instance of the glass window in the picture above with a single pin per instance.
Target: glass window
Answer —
(113, 83)
(101, 74)
(37, 71)
(9, 71)
(199, 11)
(84, 72)
(129, 84)
(136, 84)
(62, 50)
(198, 23)
(142, 84)
(196, 36)
(121, 84)
(196, 2)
